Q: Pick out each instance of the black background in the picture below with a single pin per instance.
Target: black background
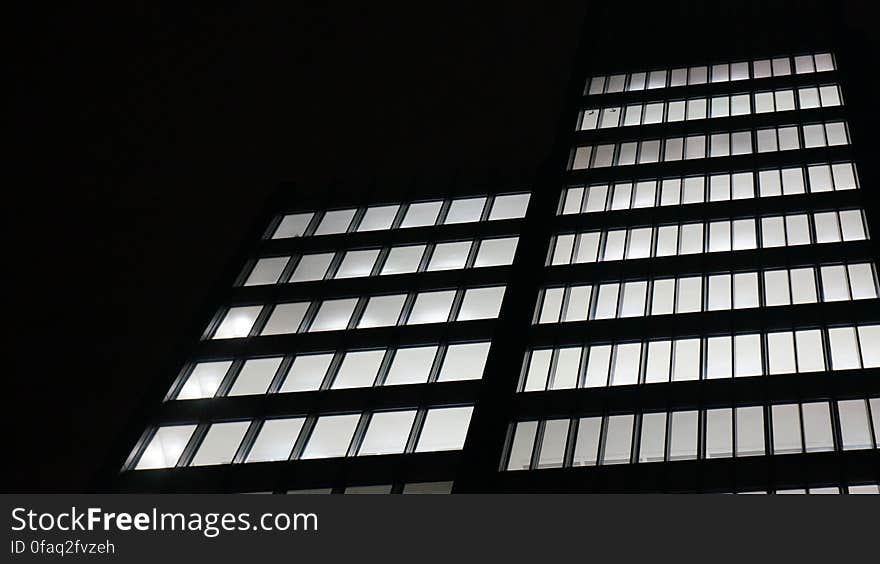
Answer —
(149, 139)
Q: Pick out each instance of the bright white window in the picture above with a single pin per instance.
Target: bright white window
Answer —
(444, 429)
(449, 256)
(683, 435)
(285, 318)
(618, 439)
(686, 360)
(786, 429)
(204, 380)
(403, 259)
(275, 440)
(306, 373)
(803, 286)
(333, 315)
(464, 361)
(357, 263)
(411, 365)
(854, 429)
(870, 354)
(852, 226)
(750, 431)
(335, 222)
(496, 252)
(331, 436)
(572, 201)
(421, 214)
(567, 368)
(165, 447)
(521, 448)
(255, 376)
(597, 366)
(652, 444)
(719, 433)
(509, 206)
(834, 283)
(659, 356)
(587, 448)
(553, 444)
(745, 290)
(663, 296)
(861, 280)
(387, 432)
(237, 322)
(431, 307)
(747, 355)
(538, 371)
(810, 355)
(719, 362)
(581, 158)
(817, 427)
(690, 294)
(481, 303)
(220, 443)
(267, 271)
(358, 369)
(720, 293)
(633, 303)
(844, 351)
(382, 311)
(626, 364)
(378, 218)
(312, 267)
(606, 303)
(780, 351)
(294, 225)
(551, 305)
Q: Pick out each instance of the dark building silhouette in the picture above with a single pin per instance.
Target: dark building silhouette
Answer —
(683, 299)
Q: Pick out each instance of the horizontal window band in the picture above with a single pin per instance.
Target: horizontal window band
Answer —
(297, 474)
(715, 475)
(378, 285)
(685, 325)
(725, 432)
(737, 71)
(301, 404)
(699, 167)
(376, 337)
(698, 394)
(707, 291)
(413, 236)
(691, 108)
(775, 257)
(730, 191)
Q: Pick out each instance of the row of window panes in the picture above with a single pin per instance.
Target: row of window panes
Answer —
(714, 292)
(677, 191)
(713, 236)
(394, 260)
(707, 358)
(375, 311)
(334, 371)
(701, 146)
(853, 489)
(694, 434)
(400, 216)
(702, 74)
(780, 100)
(324, 436)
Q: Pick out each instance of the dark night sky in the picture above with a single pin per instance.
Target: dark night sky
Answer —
(149, 140)
(152, 139)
